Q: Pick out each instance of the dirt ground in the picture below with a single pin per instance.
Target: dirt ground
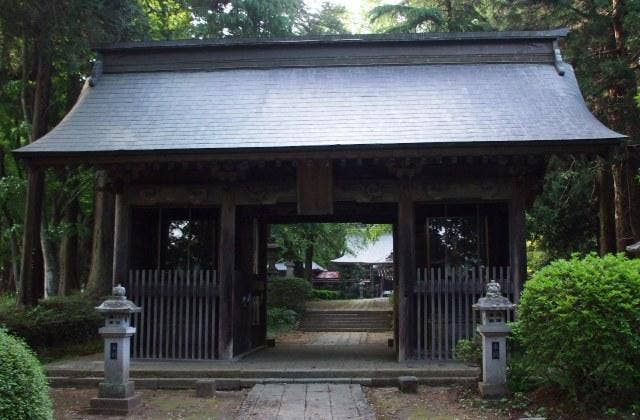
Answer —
(432, 403)
(71, 403)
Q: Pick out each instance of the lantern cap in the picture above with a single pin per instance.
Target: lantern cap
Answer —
(493, 299)
(118, 304)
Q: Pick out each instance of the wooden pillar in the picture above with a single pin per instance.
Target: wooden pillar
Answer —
(518, 238)
(406, 275)
(262, 270)
(31, 287)
(121, 240)
(226, 274)
(396, 290)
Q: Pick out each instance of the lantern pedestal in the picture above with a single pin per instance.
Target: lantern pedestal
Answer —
(494, 331)
(116, 395)
(494, 360)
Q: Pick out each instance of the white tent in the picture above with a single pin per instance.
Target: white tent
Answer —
(378, 252)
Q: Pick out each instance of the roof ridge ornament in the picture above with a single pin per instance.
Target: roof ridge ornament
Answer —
(558, 62)
(96, 72)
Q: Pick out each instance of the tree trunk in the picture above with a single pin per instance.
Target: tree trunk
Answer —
(101, 270)
(50, 258)
(606, 208)
(31, 286)
(308, 262)
(633, 185)
(69, 270)
(624, 236)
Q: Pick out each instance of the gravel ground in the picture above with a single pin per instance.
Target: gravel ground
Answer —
(432, 403)
(72, 403)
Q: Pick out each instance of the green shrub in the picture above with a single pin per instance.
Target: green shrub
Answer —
(325, 294)
(24, 393)
(280, 319)
(579, 322)
(55, 321)
(288, 293)
(470, 351)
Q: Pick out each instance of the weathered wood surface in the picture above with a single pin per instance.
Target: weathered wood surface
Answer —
(406, 271)
(517, 239)
(226, 275)
(444, 299)
(179, 313)
(121, 240)
(315, 187)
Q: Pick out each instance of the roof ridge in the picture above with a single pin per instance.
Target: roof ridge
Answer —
(335, 39)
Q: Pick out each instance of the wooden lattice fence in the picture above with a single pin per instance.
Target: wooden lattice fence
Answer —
(179, 314)
(444, 299)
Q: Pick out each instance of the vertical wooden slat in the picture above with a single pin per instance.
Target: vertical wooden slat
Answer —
(418, 298)
(174, 312)
(452, 297)
(432, 290)
(439, 311)
(161, 319)
(214, 314)
(425, 312)
(459, 290)
(187, 315)
(207, 304)
(194, 325)
(200, 332)
(447, 278)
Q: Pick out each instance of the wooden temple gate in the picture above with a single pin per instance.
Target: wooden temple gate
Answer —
(398, 129)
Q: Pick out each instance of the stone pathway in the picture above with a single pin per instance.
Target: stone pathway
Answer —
(306, 401)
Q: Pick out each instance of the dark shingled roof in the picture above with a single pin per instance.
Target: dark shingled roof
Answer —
(501, 95)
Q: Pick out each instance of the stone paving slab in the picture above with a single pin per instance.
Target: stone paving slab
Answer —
(306, 401)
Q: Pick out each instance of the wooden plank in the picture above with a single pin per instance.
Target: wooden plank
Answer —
(200, 331)
(315, 187)
(418, 298)
(214, 315)
(147, 284)
(160, 324)
(181, 321)
(134, 284)
(517, 239)
(406, 271)
(447, 276)
(452, 297)
(226, 275)
(121, 240)
(433, 312)
(207, 303)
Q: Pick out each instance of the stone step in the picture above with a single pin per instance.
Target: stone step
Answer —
(190, 382)
(201, 373)
(346, 321)
(345, 329)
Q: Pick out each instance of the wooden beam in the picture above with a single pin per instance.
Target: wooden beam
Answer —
(315, 187)
(518, 238)
(121, 240)
(264, 232)
(31, 287)
(406, 274)
(226, 274)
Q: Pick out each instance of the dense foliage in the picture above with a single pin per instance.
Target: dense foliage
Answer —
(280, 319)
(289, 293)
(325, 294)
(54, 322)
(24, 393)
(578, 325)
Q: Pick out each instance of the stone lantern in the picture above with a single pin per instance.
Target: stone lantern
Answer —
(116, 395)
(494, 330)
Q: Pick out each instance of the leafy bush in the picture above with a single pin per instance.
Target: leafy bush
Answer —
(324, 294)
(280, 319)
(470, 351)
(579, 321)
(24, 393)
(288, 293)
(55, 321)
